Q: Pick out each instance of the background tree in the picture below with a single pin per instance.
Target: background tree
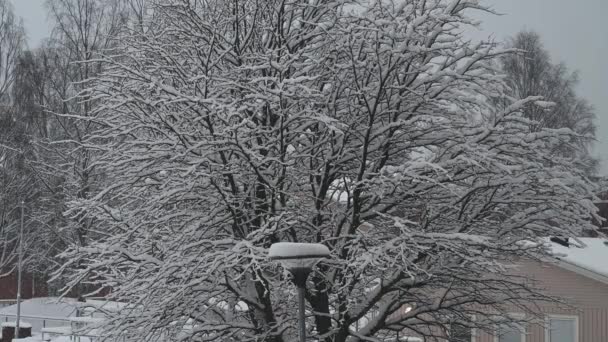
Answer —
(32, 96)
(11, 42)
(45, 83)
(42, 85)
(82, 30)
(14, 144)
(532, 72)
(27, 133)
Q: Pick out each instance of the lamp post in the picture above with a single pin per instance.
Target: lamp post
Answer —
(299, 259)
(19, 262)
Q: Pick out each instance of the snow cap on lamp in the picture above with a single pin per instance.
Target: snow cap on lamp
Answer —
(293, 255)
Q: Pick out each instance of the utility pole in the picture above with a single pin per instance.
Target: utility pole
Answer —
(19, 269)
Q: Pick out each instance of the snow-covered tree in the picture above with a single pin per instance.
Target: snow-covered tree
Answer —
(368, 126)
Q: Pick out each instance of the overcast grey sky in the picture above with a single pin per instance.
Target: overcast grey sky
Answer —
(573, 31)
(34, 18)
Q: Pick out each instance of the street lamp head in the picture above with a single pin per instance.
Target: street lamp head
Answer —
(298, 258)
(296, 254)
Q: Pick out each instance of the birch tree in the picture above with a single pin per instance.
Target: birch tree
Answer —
(532, 72)
(11, 42)
(13, 143)
(368, 126)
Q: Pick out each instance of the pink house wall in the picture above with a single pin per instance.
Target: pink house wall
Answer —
(589, 296)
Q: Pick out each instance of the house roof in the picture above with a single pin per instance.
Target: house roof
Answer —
(587, 256)
(44, 307)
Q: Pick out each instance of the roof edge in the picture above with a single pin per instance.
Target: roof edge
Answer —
(576, 268)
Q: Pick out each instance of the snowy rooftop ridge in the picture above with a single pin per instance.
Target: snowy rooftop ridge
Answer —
(591, 255)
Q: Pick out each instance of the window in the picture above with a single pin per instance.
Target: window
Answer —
(510, 333)
(461, 329)
(562, 329)
(460, 333)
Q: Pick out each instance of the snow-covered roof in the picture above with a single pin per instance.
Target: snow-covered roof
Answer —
(590, 257)
(46, 307)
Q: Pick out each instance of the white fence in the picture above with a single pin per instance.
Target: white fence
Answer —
(78, 329)
(38, 322)
(51, 327)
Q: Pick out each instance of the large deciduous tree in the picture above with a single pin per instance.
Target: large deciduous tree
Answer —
(368, 126)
